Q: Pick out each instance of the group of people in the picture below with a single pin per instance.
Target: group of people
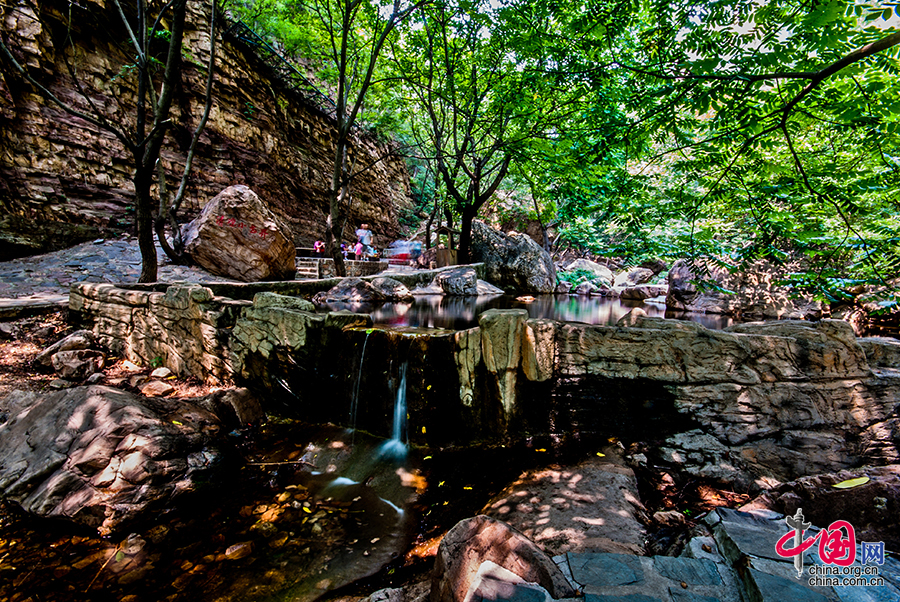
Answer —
(361, 251)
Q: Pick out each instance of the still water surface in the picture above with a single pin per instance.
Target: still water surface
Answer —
(457, 313)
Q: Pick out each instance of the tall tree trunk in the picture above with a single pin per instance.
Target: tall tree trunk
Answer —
(144, 217)
(465, 234)
(340, 190)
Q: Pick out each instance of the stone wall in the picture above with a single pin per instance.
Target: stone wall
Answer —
(63, 181)
(776, 400)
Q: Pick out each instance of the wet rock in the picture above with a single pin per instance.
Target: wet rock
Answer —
(95, 378)
(237, 236)
(392, 289)
(351, 290)
(635, 277)
(101, 456)
(81, 339)
(592, 506)
(479, 540)
(77, 364)
(513, 262)
(564, 287)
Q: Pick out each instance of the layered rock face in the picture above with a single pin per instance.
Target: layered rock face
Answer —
(63, 180)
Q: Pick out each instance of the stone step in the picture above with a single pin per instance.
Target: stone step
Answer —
(615, 577)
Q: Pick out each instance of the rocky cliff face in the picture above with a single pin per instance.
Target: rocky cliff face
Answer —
(63, 180)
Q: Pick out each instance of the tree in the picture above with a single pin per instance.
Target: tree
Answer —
(154, 81)
(482, 98)
(351, 36)
(772, 131)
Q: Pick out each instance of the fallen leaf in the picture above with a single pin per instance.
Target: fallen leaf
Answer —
(850, 483)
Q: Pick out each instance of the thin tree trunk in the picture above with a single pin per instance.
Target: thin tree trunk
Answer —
(144, 217)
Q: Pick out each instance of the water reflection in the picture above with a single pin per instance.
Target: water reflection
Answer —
(457, 313)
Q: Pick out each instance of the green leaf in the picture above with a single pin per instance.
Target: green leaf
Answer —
(850, 483)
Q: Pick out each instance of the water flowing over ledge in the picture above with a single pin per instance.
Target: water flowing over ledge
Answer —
(777, 398)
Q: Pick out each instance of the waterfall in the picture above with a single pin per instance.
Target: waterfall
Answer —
(396, 447)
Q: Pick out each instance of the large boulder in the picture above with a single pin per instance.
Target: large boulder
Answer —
(480, 542)
(458, 282)
(634, 277)
(598, 272)
(593, 506)
(514, 262)
(101, 456)
(753, 293)
(237, 236)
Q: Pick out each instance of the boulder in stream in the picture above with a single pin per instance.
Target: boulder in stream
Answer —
(513, 261)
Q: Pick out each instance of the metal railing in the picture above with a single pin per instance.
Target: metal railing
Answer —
(283, 68)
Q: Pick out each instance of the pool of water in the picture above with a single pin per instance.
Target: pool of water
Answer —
(457, 313)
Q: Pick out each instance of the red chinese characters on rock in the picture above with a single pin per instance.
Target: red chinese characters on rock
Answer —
(231, 222)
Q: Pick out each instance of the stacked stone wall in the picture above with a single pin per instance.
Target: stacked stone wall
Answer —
(781, 399)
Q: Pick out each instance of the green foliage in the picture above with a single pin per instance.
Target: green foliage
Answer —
(576, 277)
(737, 130)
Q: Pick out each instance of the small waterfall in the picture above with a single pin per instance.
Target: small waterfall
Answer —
(396, 447)
(354, 402)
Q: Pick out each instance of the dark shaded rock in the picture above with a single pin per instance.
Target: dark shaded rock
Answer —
(513, 262)
(751, 294)
(872, 507)
(236, 408)
(100, 456)
(80, 339)
(238, 236)
(77, 364)
(655, 265)
(474, 541)
(459, 282)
